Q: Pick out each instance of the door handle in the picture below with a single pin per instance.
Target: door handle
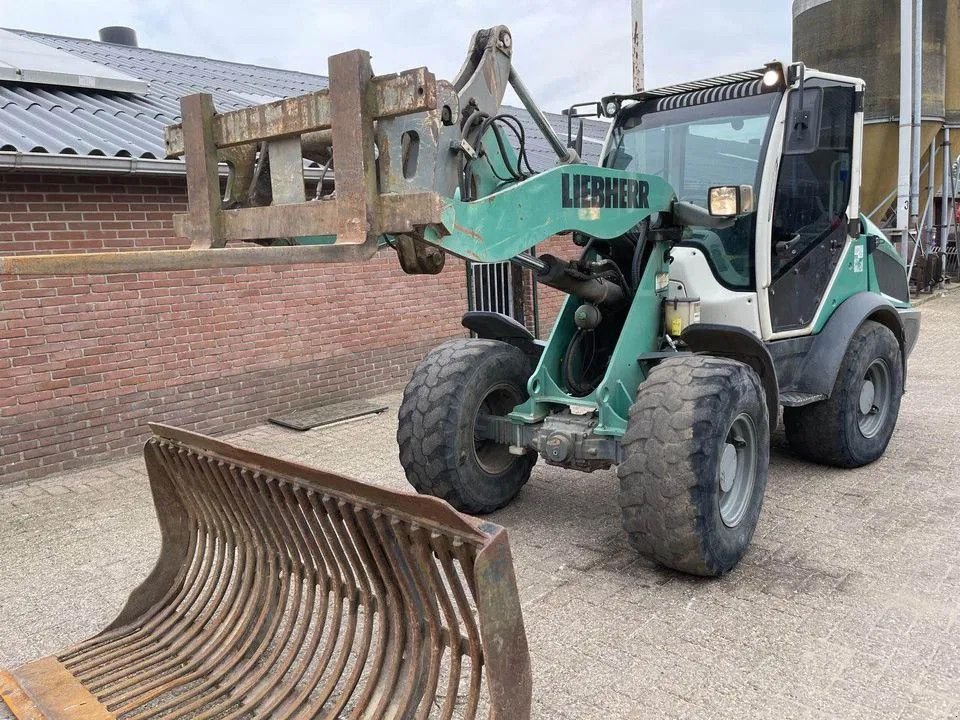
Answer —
(787, 247)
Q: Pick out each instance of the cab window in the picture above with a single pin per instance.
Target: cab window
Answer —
(810, 215)
(694, 147)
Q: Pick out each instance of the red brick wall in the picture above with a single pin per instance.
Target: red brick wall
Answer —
(86, 361)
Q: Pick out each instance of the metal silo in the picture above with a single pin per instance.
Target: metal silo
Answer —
(862, 38)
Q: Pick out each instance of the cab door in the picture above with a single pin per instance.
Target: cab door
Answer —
(815, 199)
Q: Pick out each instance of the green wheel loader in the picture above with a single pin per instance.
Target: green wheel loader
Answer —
(722, 270)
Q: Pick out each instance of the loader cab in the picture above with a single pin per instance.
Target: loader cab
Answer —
(769, 269)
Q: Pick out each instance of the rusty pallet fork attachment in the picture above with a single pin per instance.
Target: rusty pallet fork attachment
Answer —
(343, 116)
(391, 140)
(283, 591)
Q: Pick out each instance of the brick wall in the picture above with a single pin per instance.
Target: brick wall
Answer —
(86, 361)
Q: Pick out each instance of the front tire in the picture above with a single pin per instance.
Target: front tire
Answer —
(439, 450)
(854, 425)
(697, 452)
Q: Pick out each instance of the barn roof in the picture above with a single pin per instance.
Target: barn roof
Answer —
(88, 122)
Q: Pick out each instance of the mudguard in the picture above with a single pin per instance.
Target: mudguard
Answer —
(818, 371)
(738, 344)
(496, 326)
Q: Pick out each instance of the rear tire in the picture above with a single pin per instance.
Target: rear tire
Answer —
(438, 449)
(697, 451)
(854, 425)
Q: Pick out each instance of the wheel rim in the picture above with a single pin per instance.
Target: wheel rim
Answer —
(493, 457)
(873, 404)
(738, 470)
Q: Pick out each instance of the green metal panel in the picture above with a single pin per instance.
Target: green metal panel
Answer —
(851, 279)
(858, 273)
(499, 226)
(615, 394)
(884, 246)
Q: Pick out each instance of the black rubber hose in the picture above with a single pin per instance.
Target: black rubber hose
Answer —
(576, 375)
(636, 269)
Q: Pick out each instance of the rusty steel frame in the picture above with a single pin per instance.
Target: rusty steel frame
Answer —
(392, 95)
(283, 591)
(357, 217)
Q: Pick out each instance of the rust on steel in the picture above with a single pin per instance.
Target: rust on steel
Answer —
(353, 142)
(283, 591)
(286, 131)
(203, 174)
(403, 93)
(397, 213)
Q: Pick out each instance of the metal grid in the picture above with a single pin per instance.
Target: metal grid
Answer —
(492, 289)
(282, 591)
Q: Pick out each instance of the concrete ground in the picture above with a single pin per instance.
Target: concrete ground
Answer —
(847, 605)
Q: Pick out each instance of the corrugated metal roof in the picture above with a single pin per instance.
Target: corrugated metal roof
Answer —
(36, 118)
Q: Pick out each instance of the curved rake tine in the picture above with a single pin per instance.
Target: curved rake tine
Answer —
(285, 592)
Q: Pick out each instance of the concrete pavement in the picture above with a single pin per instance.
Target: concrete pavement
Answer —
(847, 605)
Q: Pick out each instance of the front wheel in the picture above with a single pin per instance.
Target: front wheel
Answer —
(697, 452)
(441, 454)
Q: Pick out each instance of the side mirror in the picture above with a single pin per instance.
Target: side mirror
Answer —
(577, 142)
(803, 121)
(730, 200)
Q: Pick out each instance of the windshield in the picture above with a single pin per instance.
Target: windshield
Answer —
(696, 148)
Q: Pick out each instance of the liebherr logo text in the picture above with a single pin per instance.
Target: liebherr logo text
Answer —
(597, 191)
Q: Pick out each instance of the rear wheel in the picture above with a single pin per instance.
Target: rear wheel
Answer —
(440, 450)
(854, 425)
(697, 449)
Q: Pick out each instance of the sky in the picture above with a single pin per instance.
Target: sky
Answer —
(565, 51)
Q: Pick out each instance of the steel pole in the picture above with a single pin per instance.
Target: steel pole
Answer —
(636, 14)
(564, 154)
(945, 199)
(905, 121)
(917, 116)
(529, 262)
(929, 213)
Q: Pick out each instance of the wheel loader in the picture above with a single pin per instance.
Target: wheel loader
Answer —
(721, 270)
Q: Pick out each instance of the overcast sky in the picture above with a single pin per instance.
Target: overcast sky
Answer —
(566, 51)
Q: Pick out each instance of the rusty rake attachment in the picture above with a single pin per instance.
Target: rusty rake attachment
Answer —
(283, 591)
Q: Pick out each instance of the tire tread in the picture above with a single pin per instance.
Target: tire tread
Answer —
(428, 417)
(660, 477)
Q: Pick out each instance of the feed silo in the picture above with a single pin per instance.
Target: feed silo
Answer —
(862, 38)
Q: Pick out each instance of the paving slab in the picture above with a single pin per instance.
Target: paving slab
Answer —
(846, 605)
